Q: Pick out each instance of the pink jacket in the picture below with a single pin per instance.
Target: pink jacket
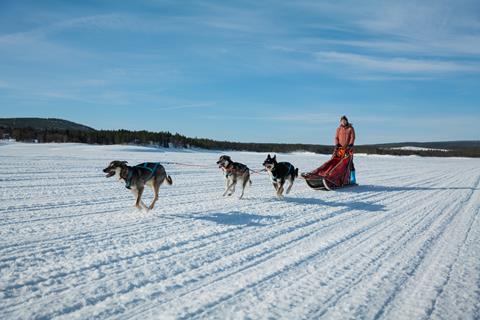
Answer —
(345, 136)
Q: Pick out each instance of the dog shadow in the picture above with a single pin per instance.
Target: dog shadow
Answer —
(352, 205)
(235, 218)
(377, 188)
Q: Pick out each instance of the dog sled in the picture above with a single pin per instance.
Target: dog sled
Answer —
(333, 174)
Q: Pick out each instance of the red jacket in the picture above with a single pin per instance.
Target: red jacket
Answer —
(345, 136)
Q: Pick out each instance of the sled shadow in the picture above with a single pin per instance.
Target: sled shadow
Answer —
(353, 205)
(234, 218)
(377, 188)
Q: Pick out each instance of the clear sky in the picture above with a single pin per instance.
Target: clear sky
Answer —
(259, 71)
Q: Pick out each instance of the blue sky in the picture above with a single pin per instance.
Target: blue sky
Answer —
(262, 71)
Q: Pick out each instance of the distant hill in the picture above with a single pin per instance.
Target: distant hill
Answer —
(42, 124)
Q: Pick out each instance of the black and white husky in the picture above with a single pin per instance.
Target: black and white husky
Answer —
(234, 172)
(279, 173)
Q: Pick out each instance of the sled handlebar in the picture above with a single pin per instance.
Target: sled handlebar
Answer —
(342, 152)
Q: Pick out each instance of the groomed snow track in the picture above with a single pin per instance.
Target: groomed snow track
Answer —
(405, 244)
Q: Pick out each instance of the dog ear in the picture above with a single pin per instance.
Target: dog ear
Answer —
(268, 156)
(274, 157)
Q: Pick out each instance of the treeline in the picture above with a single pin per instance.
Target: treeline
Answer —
(460, 152)
(170, 140)
(161, 139)
(103, 137)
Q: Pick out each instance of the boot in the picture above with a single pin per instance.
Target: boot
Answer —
(353, 179)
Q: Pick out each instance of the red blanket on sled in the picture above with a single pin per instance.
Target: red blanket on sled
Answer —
(336, 170)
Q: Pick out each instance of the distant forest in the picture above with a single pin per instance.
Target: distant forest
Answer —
(83, 134)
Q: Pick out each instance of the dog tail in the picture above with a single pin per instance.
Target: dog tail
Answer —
(296, 173)
(169, 180)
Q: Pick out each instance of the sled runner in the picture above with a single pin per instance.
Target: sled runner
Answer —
(333, 174)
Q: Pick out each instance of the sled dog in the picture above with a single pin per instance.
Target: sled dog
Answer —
(148, 173)
(279, 173)
(234, 171)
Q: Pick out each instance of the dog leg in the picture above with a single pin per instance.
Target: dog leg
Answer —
(280, 190)
(234, 183)
(135, 193)
(139, 198)
(156, 187)
(244, 184)
(139, 203)
(290, 184)
(227, 188)
(275, 186)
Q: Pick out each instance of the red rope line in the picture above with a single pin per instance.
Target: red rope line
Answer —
(206, 166)
(187, 164)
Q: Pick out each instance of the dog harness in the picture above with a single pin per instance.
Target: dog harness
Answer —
(128, 181)
(274, 177)
(229, 172)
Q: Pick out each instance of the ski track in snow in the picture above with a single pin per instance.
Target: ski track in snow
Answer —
(405, 244)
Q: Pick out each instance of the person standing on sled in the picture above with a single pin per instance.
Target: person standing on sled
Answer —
(345, 138)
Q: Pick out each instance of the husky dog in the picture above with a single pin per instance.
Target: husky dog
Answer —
(149, 173)
(279, 173)
(234, 171)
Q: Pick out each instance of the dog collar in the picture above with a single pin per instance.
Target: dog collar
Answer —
(128, 181)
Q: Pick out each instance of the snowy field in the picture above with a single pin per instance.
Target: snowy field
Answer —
(405, 244)
(418, 149)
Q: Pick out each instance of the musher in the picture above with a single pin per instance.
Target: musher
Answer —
(345, 138)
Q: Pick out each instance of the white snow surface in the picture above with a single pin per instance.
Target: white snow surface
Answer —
(404, 244)
(409, 148)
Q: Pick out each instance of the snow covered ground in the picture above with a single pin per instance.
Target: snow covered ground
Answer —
(418, 149)
(405, 244)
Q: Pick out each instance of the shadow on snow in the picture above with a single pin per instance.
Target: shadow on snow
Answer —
(353, 205)
(376, 188)
(234, 218)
